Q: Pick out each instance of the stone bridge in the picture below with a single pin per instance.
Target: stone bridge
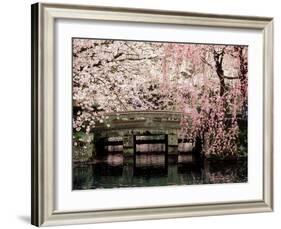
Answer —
(132, 128)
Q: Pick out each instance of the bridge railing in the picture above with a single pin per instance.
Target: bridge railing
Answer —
(139, 119)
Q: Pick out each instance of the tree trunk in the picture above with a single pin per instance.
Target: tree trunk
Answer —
(218, 58)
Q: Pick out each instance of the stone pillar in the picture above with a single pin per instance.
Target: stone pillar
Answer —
(128, 145)
(172, 144)
(98, 146)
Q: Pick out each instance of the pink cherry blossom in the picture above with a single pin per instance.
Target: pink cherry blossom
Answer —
(207, 83)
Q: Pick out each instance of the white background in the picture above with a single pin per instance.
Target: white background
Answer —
(15, 112)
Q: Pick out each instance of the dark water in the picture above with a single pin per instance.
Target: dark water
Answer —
(151, 170)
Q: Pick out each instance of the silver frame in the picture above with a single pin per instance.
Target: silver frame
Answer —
(43, 122)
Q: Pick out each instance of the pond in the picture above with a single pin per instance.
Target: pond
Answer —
(115, 171)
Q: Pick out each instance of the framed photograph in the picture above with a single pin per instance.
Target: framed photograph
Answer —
(144, 114)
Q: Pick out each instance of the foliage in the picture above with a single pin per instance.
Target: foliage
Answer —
(207, 83)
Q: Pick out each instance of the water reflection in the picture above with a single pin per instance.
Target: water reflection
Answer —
(114, 171)
(150, 166)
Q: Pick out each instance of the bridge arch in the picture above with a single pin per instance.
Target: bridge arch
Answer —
(131, 124)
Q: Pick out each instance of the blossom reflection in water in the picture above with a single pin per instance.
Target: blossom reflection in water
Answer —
(114, 171)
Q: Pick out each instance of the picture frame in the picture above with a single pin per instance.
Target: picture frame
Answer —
(44, 17)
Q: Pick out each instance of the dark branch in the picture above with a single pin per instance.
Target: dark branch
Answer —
(205, 61)
(136, 59)
(231, 78)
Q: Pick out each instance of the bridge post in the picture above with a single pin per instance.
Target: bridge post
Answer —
(134, 150)
(166, 150)
(128, 145)
(172, 144)
(98, 149)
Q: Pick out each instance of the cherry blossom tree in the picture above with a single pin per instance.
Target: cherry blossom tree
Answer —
(207, 83)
